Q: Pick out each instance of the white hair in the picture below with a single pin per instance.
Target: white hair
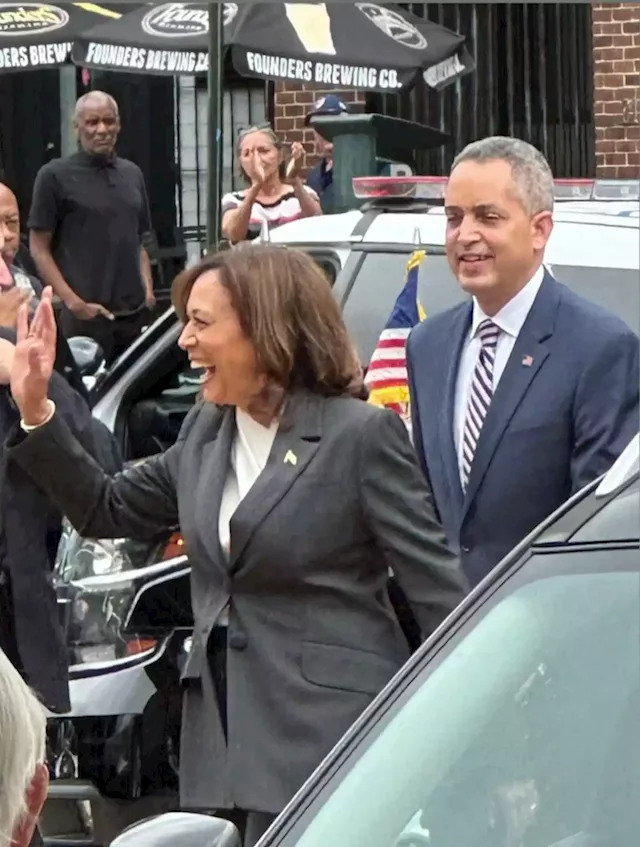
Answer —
(22, 746)
(92, 97)
(531, 172)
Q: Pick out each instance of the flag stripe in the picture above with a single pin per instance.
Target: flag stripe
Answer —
(387, 378)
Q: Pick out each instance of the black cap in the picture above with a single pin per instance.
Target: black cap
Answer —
(330, 104)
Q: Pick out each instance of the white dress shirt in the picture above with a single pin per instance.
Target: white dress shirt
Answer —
(510, 320)
(249, 454)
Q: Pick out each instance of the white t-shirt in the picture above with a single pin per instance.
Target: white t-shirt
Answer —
(281, 211)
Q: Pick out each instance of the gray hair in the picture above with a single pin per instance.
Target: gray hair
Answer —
(101, 98)
(22, 746)
(531, 172)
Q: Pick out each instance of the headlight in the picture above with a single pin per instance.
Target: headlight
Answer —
(95, 584)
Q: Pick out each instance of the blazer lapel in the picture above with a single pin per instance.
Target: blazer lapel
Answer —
(294, 446)
(527, 357)
(215, 463)
(452, 351)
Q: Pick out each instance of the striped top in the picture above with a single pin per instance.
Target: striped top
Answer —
(281, 211)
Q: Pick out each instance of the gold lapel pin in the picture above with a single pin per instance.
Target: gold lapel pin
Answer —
(291, 458)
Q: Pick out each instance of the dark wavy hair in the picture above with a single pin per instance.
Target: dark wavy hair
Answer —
(286, 308)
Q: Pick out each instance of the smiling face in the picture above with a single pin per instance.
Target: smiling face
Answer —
(259, 145)
(494, 245)
(214, 340)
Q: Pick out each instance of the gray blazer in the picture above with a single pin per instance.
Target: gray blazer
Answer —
(312, 636)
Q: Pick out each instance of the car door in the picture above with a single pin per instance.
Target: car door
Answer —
(519, 727)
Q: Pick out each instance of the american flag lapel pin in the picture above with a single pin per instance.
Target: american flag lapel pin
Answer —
(291, 458)
(527, 361)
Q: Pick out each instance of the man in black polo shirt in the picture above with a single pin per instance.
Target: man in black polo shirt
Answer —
(89, 215)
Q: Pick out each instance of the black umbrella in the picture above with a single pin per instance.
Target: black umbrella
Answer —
(335, 45)
(40, 35)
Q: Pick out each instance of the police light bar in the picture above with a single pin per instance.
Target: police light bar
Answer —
(433, 188)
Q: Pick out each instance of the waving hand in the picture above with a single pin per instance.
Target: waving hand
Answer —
(33, 361)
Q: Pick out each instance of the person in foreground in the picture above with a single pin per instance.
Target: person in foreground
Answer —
(528, 392)
(24, 778)
(295, 501)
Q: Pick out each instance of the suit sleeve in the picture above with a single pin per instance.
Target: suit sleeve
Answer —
(140, 502)
(606, 411)
(399, 510)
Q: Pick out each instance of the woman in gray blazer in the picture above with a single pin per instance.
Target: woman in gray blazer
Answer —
(295, 500)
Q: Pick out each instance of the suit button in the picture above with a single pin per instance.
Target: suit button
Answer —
(466, 549)
(238, 641)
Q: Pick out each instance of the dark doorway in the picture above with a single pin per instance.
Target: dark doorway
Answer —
(29, 129)
(534, 80)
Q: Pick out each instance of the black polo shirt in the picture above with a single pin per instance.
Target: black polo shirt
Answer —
(97, 211)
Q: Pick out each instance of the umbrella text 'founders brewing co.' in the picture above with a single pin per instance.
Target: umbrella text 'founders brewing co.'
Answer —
(144, 59)
(29, 20)
(327, 73)
(170, 20)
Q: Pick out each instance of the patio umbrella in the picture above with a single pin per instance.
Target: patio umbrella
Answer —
(40, 35)
(336, 45)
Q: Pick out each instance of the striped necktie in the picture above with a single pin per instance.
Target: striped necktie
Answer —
(480, 395)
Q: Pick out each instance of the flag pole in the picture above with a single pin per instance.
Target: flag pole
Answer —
(214, 129)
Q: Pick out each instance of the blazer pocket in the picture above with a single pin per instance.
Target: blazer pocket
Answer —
(346, 668)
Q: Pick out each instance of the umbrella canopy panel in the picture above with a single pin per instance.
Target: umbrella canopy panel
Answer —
(40, 35)
(340, 45)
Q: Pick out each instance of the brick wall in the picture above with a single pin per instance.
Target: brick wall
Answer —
(616, 43)
(292, 104)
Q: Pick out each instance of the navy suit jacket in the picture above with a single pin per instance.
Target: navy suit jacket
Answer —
(557, 421)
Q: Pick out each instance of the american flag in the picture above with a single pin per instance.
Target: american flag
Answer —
(387, 375)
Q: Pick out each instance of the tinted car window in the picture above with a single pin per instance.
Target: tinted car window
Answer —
(619, 520)
(614, 289)
(381, 276)
(377, 285)
(525, 732)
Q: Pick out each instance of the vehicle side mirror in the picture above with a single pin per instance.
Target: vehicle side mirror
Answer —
(87, 354)
(180, 829)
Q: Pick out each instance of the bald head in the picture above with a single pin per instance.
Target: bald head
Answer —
(9, 224)
(97, 123)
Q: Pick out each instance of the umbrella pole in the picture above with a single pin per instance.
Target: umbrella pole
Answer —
(214, 134)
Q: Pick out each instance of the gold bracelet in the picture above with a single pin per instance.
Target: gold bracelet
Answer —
(52, 411)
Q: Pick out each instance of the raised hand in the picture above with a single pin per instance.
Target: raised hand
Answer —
(259, 174)
(295, 162)
(33, 361)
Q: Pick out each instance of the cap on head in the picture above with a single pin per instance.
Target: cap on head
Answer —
(330, 104)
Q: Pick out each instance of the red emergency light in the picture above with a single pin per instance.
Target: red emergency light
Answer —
(433, 188)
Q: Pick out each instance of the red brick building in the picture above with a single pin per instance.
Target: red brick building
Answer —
(616, 54)
(614, 113)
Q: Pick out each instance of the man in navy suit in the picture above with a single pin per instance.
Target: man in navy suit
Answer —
(528, 392)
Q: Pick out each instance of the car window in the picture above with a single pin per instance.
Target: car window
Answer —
(618, 520)
(524, 731)
(615, 289)
(381, 276)
(377, 285)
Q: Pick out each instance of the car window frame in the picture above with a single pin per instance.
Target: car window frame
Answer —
(553, 533)
(375, 718)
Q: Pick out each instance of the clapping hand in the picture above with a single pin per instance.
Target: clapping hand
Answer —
(259, 174)
(295, 162)
(33, 361)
